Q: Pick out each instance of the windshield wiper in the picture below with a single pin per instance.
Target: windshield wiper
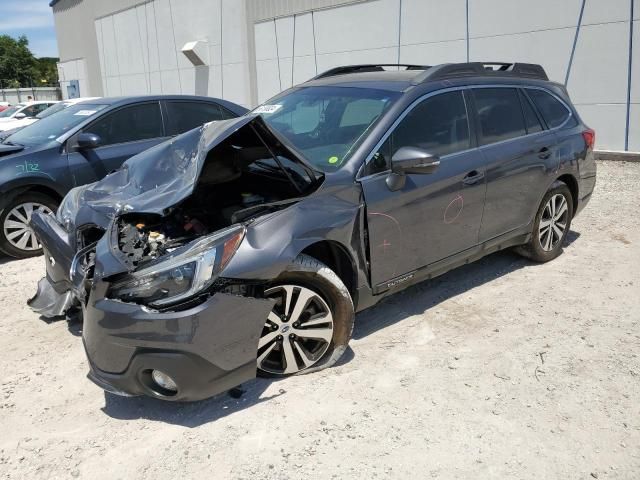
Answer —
(12, 144)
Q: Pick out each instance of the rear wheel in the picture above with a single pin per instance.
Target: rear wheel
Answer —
(17, 239)
(551, 225)
(311, 322)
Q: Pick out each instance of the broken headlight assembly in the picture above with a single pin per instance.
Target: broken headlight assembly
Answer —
(182, 273)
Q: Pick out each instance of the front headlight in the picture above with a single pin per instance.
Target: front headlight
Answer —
(181, 274)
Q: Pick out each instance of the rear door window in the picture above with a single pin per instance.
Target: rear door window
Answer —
(184, 116)
(499, 114)
(551, 109)
(129, 124)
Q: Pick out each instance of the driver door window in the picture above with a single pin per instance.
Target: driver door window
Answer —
(129, 124)
(30, 111)
(438, 125)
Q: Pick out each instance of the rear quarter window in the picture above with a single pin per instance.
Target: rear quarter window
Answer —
(551, 109)
(530, 116)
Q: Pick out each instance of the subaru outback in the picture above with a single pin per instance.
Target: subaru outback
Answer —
(247, 245)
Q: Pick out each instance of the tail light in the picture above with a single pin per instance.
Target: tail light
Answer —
(589, 138)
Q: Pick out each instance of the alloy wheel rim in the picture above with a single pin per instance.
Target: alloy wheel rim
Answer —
(297, 332)
(16, 226)
(553, 222)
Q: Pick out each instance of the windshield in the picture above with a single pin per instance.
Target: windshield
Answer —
(53, 109)
(53, 126)
(10, 111)
(326, 124)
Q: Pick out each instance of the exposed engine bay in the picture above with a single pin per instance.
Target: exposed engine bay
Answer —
(241, 179)
(145, 237)
(161, 229)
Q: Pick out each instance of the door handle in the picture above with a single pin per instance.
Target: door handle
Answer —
(544, 153)
(472, 177)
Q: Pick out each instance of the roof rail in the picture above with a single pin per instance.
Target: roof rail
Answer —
(455, 70)
(377, 67)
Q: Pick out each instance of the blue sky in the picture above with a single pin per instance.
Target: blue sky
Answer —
(33, 18)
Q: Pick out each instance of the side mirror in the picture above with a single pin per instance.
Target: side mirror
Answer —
(413, 160)
(19, 116)
(88, 141)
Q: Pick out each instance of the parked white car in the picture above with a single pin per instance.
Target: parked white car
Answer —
(6, 132)
(23, 114)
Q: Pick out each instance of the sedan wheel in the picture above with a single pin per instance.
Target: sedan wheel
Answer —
(17, 230)
(553, 222)
(297, 333)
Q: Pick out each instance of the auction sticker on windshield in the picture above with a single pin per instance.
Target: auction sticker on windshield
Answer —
(85, 113)
(267, 109)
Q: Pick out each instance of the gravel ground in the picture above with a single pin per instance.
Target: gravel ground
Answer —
(500, 369)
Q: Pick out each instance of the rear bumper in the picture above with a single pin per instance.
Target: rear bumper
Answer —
(206, 350)
(587, 181)
(582, 202)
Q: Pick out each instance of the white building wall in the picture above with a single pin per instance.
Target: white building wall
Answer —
(140, 49)
(634, 127)
(72, 70)
(257, 48)
(292, 49)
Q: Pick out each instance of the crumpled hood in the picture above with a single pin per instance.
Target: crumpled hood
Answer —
(161, 177)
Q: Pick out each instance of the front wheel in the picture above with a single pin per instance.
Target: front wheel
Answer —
(311, 322)
(17, 239)
(551, 225)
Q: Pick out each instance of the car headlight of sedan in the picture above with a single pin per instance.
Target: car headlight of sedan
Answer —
(181, 274)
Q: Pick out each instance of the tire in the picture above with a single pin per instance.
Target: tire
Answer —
(289, 334)
(17, 210)
(542, 248)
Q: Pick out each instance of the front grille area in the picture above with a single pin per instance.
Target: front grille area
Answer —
(88, 234)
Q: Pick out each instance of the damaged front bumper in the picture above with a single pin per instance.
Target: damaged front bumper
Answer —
(205, 349)
(55, 294)
(49, 303)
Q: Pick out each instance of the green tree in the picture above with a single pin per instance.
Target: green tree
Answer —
(18, 66)
(45, 71)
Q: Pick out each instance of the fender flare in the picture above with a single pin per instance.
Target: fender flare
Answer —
(19, 185)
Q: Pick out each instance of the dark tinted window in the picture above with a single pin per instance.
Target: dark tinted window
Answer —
(553, 112)
(530, 118)
(129, 124)
(183, 116)
(500, 114)
(33, 110)
(438, 125)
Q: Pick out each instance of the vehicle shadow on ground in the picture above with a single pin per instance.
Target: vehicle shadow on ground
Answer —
(4, 259)
(421, 297)
(414, 300)
(195, 414)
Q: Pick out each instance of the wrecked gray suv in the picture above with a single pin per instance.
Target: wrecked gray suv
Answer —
(247, 245)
